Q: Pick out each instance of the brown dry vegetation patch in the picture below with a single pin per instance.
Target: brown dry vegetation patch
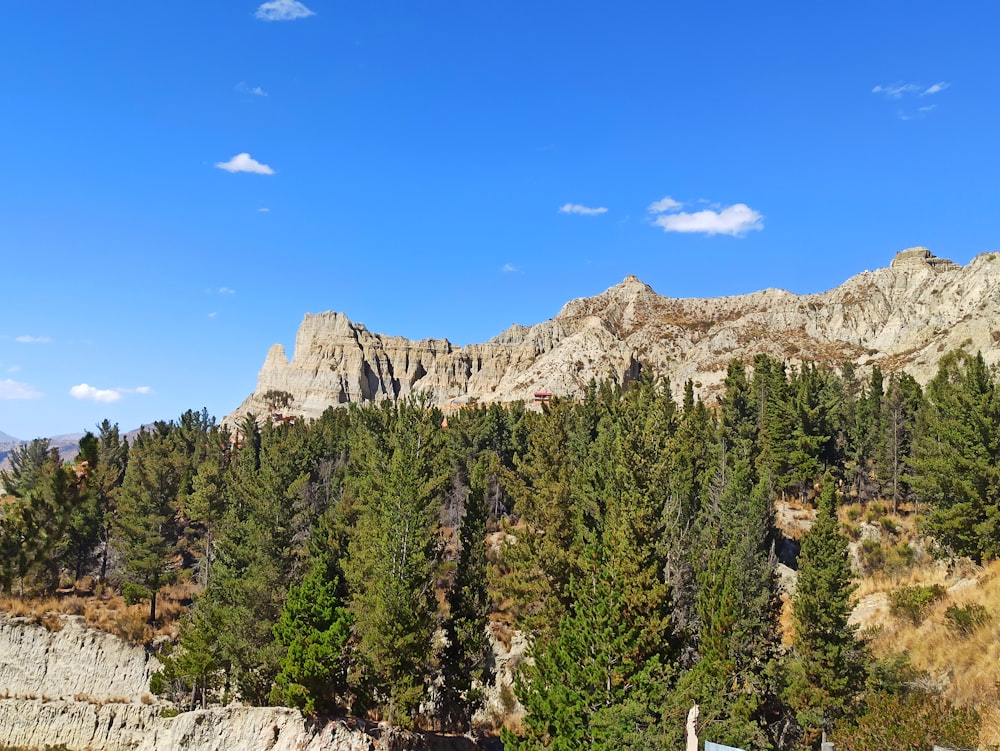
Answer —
(963, 664)
(106, 610)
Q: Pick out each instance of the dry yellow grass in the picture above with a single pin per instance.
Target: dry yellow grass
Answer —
(965, 667)
(107, 611)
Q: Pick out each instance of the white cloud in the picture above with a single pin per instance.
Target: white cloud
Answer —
(576, 208)
(245, 163)
(935, 88)
(263, 210)
(213, 314)
(283, 10)
(33, 339)
(910, 91)
(735, 220)
(244, 88)
(226, 291)
(664, 204)
(509, 268)
(16, 390)
(86, 391)
(897, 90)
(14, 369)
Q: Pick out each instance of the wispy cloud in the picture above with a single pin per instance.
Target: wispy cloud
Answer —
(263, 210)
(226, 291)
(664, 204)
(13, 368)
(576, 208)
(16, 390)
(244, 88)
(735, 220)
(107, 396)
(509, 268)
(283, 10)
(25, 339)
(907, 94)
(213, 314)
(897, 90)
(245, 163)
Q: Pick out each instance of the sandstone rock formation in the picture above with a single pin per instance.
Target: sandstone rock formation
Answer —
(74, 662)
(903, 316)
(85, 690)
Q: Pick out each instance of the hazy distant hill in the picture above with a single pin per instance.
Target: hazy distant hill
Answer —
(5, 439)
(903, 316)
(68, 445)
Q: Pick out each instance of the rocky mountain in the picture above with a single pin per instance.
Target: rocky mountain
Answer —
(903, 316)
(5, 439)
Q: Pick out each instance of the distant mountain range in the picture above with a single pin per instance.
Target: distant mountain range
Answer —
(901, 317)
(68, 445)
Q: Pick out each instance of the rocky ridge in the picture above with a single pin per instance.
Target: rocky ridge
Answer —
(903, 316)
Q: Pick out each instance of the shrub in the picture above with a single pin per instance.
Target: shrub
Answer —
(916, 720)
(965, 620)
(899, 559)
(134, 593)
(871, 556)
(910, 603)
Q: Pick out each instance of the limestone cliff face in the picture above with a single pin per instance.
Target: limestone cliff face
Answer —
(903, 316)
(75, 662)
(86, 690)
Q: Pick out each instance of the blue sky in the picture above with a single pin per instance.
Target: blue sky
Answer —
(181, 182)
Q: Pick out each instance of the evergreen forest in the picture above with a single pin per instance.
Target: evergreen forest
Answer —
(374, 562)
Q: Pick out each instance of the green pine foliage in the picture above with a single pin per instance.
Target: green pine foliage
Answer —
(909, 721)
(147, 510)
(358, 563)
(392, 557)
(826, 674)
(314, 629)
(956, 461)
(594, 685)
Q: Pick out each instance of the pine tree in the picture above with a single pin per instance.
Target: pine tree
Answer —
(600, 678)
(147, 510)
(534, 571)
(826, 674)
(314, 629)
(734, 680)
(956, 459)
(593, 685)
(867, 436)
(466, 662)
(900, 407)
(390, 567)
(104, 481)
(739, 418)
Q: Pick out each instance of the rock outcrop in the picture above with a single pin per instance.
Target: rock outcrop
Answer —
(85, 690)
(903, 316)
(73, 663)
